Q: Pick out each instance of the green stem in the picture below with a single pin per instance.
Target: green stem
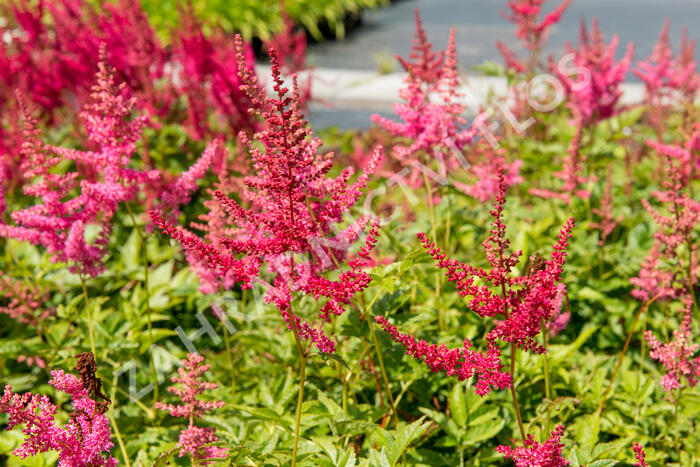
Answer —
(144, 249)
(375, 341)
(117, 433)
(675, 415)
(624, 350)
(433, 230)
(547, 387)
(91, 329)
(227, 338)
(513, 393)
(300, 400)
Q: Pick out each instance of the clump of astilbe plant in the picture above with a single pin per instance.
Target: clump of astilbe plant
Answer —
(593, 82)
(532, 33)
(194, 441)
(523, 304)
(532, 453)
(85, 440)
(294, 209)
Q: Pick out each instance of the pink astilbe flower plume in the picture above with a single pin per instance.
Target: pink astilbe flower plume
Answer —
(677, 355)
(640, 455)
(532, 453)
(608, 221)
(431, 114)
(666, 270)
(485, 170)
(523, 304)
(73, 200)
(293, 214)
(290, 46)
(571, 173)
(85, 439)
(25, 301)
(531, 32)
(592, 79)
(194, 438)
(668, 79)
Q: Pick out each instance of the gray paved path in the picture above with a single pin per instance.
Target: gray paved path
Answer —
(478, 24)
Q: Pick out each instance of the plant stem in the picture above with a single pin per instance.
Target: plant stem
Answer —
(144, 249)
(433, 229)
(547, 388)
(675, 414)
(302, 376)
(91, 330)
(513, 393)
(375, 341)
(230, 363)
(624, 350)
(117, 433)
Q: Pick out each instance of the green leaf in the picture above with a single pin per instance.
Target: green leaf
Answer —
(458, 408)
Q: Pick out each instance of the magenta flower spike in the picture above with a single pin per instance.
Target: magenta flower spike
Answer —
(85, 439)
(640, 455)
(293, 212)
(523, 304)
(594, 89)
(532, 453)
(531, 31)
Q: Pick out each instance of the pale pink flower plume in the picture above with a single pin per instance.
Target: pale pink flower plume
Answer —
(664, 272)
(486, 173)
(668, 78)
(532, 453)
(558, 321)
(677, 355)
(608, 221)
(193, 438)
(25, 302)
(571, 173)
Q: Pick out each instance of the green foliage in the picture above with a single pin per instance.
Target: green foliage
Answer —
(262, 19)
